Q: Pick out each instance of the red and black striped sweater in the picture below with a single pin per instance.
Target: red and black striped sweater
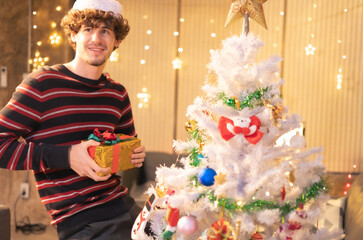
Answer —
(53, 109)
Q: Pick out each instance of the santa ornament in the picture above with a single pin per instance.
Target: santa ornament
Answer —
(249, 127)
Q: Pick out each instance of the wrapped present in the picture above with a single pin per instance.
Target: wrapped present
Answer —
(114, 151)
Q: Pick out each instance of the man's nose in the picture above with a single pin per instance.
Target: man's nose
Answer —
(96, 36)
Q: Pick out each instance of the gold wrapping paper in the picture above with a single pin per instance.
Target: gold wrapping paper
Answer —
(104, 154)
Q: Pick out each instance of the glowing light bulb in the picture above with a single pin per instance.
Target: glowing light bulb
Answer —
(213, 35)
(282, 13)
(180, 50)
(267, 194)
(142, 61)
(35, 26)
(148, 32)
(147, 47)
(349, 176)
(181, 19)
(34, 12)
(58, 8)
(176, 33)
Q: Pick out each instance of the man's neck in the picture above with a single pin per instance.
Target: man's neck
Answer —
(85, 70)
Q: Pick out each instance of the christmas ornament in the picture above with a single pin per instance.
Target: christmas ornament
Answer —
(187, 225)
(277, 110)
(256, 236)
(190, 126)
(301, 212)
(297, 141)
(253, 8)
(221, 230)
(249, 127)
(206, 176)
(172, 217)
(142, 223)
(283, 193)
(220, 178)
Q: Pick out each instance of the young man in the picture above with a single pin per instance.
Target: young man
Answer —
(57, 107)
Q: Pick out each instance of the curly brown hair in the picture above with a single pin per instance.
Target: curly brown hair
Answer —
(73, 21)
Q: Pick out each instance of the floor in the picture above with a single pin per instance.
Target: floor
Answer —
(49, 234)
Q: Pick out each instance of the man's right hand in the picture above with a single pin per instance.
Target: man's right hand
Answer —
(81, 162)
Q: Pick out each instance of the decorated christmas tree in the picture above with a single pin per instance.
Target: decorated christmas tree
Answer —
(236, 180)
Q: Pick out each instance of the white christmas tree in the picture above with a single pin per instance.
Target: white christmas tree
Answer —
(237, 181)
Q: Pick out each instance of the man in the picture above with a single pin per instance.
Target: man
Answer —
(55, 108)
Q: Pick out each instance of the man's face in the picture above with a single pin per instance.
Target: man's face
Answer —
(95, 45)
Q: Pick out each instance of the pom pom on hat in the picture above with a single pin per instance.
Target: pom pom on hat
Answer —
(103, 5)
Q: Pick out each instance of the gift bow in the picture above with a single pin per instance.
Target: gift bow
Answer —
(106, 137)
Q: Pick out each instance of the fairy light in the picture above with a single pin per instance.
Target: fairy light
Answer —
(34, 13)
(142, 61)
(144, 98)
(35, 26)
(58, 8)
(53, 24)
(181, 19)
(177, 63)
(114, 56)
(180, 50)
(148, 32)
(213, 35)
(339, 79)
(310, 50)
(176, 33)
(55, 39)
(147, 47)
(267, 194)
(39, 43)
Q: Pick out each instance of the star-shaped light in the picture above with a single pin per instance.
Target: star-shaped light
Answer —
(220, 178)
(240, 7)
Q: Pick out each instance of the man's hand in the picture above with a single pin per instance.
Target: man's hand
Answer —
(81, 162)
(139, 156)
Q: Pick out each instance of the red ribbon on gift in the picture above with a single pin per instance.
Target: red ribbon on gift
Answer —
(115, 156)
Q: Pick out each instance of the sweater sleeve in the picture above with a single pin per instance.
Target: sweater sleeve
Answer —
(18, 119)
(126, 123)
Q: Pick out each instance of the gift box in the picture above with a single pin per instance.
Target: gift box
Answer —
(114, 152)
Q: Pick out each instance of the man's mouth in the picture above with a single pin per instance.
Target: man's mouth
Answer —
(96, 49)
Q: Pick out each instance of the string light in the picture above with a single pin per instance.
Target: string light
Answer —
(144, 98)
(310, 50)
(339, 79)
(180, 50)
(35, 26)
(148, 32)
(142, 61)
(114, 56)
(55, 39)
(39, 43)
(53, 24)
(181, 19)
(58, 8)
(176, 33)
(34, 13)
(213, 35)
(147, 47)
(177, 63)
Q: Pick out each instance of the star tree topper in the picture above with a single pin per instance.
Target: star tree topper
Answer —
(252, 7)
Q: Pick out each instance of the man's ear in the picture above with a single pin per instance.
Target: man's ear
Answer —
(117, 43)
(73, 36)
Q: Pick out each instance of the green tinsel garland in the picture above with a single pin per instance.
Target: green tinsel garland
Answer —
(251, 100)
(258, 205)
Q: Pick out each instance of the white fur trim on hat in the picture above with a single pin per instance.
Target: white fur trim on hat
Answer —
(103, 5)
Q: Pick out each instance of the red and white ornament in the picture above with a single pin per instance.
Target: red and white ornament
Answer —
(249, 127)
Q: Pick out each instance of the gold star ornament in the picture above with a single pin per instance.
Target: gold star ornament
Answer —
(240, 7)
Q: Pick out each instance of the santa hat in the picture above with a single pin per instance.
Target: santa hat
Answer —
(103, 5)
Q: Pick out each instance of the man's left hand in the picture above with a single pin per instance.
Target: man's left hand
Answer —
(138, 157)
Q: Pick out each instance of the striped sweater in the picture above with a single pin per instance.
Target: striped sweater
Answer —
(53, 109)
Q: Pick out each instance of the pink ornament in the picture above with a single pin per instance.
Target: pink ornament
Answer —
(187, 225)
